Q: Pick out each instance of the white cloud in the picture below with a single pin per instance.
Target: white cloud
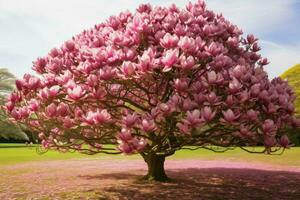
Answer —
(31, 28)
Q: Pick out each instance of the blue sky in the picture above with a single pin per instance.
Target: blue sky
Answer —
(30, 28)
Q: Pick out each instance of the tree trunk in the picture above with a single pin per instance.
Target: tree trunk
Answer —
(156, 170)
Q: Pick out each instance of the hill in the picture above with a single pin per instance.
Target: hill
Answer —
(292, 75)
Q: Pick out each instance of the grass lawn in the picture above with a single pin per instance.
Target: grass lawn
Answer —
(19, 153)
(199, 174)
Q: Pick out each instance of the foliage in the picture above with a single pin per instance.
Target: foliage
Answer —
(7, 81)
(7, 130)
(292, 75)
(152, 82)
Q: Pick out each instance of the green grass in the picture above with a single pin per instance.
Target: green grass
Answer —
(290, 157)
(18, 153)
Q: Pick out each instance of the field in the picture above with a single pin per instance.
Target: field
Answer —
(199, 174)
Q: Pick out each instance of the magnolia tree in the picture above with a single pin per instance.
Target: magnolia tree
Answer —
(154, 82)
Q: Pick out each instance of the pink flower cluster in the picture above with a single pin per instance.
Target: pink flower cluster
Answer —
(155, 80)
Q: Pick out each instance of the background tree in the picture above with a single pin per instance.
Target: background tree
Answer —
(292, 75)
(7, 130)
(7, 82)
(154, 82)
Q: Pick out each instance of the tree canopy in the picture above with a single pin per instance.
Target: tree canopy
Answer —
(153, 82)
(292, 75)
(7, 85)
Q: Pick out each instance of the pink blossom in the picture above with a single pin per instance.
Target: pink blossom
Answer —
(67, 122)
(244, 96)
(125, 148)
(256, 48)
(99, 94)
(51, 110)
(263, 61)
(44, 94)
(269, 127)
(199, 98)
(78, 112)
(187, 62)
(35, 123)
(169, 41)
(193, 118)
(214, 49)
(187, 44)
(16, 114)
(184, 128)
(229, 116)
(251, 39)
(175, 101)
(139, 23)
(62, 109)
(234, 85)
(42, 135)
(271, 108)
(33, 105)
(14, 97)
(212, 98)
(255, 89)
(244, 131)
(239, 71)
(210, 29)
(102, 116)
(19, 84)
(211, 77)
(100, 55)
(284, 141)
(128, 68)
(207, 114)
(130, 120)
(180, 85)
(264, 95)
(148, 125)
(54, 52)
(70, 45)
(107, 73)
(230, 100)
(166, 109)
(39, 65)
(139, 144)
(125, 135)
(252, 114)
(233, 42)
(171, 57)
(147, 60)
(269, 141)
(188, 104)
(92, 80)
(53, 91)
(24, 112)
(97, 117)
(9, 106)
(76, 93)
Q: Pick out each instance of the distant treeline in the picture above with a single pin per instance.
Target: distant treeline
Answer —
(11, 140)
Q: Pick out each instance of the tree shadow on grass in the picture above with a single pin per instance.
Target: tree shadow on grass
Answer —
(206, 184)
